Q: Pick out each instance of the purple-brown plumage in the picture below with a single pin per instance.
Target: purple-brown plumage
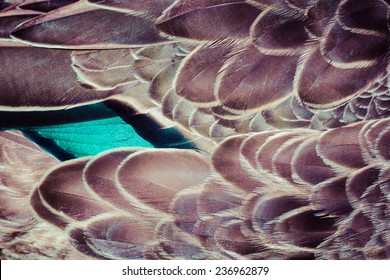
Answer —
(207, 20)
(148, 8)
(11, 19)
(37, 88)
(286, 102)
(303, 219)
(251, 80)
(198, 73)
(276, 31)
(81, 24)
(44, 6)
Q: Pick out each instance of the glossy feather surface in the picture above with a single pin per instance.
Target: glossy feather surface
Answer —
(224, 129)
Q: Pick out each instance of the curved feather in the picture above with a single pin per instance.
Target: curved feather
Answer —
(197, 202)
(38, 89)
(82, 25)
(147, 8)
(280, 108)
(208, 20)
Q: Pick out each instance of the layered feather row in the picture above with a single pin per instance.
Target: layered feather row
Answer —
(286, 103)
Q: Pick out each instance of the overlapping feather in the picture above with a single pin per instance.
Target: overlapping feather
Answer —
(285, 103)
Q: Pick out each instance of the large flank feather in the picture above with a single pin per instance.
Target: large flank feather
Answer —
(212, 129)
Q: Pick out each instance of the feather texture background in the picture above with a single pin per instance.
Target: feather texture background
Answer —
(213, 129)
